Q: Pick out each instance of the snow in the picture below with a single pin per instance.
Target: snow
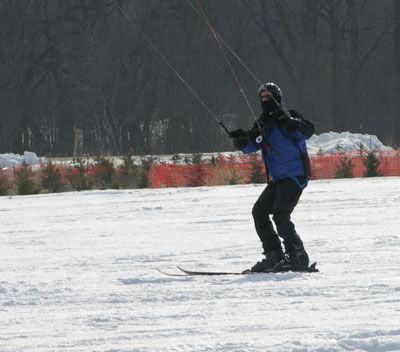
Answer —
(78, 271)
(10, 159)
(346, 141)
(325, 142)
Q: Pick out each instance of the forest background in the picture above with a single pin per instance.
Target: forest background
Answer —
(80, 66)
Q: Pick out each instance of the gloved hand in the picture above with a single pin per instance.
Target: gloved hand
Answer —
(237, 133)
(290, 123)
(253, 134)
(240, 139)
(283, 121)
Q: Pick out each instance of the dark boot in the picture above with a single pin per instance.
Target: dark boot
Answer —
(296, 259)
(271, 259)
(299, 260)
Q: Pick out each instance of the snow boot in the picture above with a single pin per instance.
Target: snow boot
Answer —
(296, 259)
(271, 259)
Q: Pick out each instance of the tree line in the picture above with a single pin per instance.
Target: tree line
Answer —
(81, 66)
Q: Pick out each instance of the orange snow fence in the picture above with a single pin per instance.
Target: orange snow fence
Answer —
(222, 170)
(239, 169)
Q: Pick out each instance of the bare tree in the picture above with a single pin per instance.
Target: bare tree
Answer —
(84, 64)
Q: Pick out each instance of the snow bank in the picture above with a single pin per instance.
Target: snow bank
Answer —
(343, 142)
(29, 158)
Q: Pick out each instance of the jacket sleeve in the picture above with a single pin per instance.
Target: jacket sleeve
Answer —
(301, 128)
(251, 147)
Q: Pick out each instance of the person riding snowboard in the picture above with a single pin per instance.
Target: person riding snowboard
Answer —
(281, 135)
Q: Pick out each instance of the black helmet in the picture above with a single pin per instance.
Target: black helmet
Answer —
(273, 88)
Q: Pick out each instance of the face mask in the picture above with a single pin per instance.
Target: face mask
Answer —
(269, 105)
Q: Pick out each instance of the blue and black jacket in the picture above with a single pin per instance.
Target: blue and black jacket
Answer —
(284, 150)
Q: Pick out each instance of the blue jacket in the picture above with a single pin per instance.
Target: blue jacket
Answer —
(284, 150)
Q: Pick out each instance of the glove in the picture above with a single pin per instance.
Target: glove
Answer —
(240, 142)
(237, 133)
(240, 139)
(253, 134)
(283, 121)
(290, 123)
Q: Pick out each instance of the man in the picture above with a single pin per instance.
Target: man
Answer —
(281, 136)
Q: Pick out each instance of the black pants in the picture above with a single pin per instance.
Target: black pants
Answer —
(278, 199)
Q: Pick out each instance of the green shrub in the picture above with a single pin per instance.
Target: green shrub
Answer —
(345, 168)
(144, 180)
(371, 163)
(214, 161)
(197, 159)
(25, 183)
(235, 178)
(78, 178)
(129, 171)
(176, 158)
(51, 179)
(128, 162)
(3, 187)
(105, 174)
(257, 174)
(143, 172)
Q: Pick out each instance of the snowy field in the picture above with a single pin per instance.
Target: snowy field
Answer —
(77, 271)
